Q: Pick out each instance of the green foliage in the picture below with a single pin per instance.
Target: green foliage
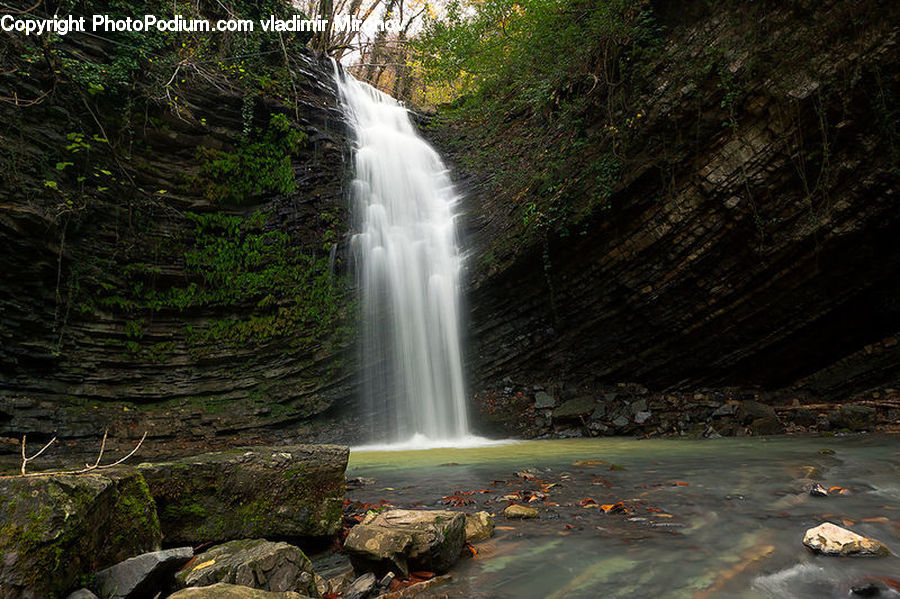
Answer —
(235, 262)
(535, 52)
(253, 168)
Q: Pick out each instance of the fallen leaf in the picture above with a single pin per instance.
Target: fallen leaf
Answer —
(876, 519)
(203, 565)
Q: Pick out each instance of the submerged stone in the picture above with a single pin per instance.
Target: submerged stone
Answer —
(55, 528)
(830, 539)
(289, 491)
(404, 540)
(255, 563)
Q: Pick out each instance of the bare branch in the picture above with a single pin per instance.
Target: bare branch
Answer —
(25, 460)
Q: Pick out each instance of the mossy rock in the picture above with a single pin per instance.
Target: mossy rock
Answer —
(54, 529)
(257, 492)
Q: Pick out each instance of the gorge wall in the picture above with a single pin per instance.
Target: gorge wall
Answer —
(168, 239)
(722, 216)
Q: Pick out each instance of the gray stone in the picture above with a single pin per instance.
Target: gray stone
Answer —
(853, 417)
(580, 406)
(54, 529)
(639, 406)
(143, 575)
(767, 426)
(232, 591)
(620, 422)
(599, 412)
(727, 409)
(753, 410)
(642, 417)
(362, 587)
(401, 540)
(82, 594)
(543, 400)
(287, 491)
(255, 563)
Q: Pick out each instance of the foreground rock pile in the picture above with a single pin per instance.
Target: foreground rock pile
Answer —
(108, 528)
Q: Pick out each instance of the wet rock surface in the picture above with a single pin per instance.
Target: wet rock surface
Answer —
(223, 590)
(143, 575)
(258, 563)
(407, 540)
(479, 527)
(285, 491)
(830, 539)
(55, 528)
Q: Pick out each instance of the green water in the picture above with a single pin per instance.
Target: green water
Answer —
(711, 518)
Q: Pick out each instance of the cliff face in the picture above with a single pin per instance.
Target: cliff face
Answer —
(748, 233)
(168, 253)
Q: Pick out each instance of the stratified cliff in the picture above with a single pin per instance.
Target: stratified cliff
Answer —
(723, 214)
(169, 214)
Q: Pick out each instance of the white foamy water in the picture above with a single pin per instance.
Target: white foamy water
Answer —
(409, 268)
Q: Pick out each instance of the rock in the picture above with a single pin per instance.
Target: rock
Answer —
(358, 482)
(817, 490)
(580, 406)
(142, 576)
(639, 406)
(767, 426)
(231, 591)
(620, 422)
(479, 527)
(362, 587)
(255, 563)
(853, 417)
(401, 540)
(54, 529)
(387, 579)
(750, 410)
(543, 400)
(82, 594)
(727, 409)
(289, 491)
(642, 417)
(830, 539)
(599, 412)
(516, 511)
(866, 589)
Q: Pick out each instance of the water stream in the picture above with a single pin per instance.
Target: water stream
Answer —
(711, 518)
(408, 265)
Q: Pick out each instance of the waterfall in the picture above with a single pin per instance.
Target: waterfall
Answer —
(408, 267)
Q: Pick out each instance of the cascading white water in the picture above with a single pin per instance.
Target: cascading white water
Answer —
(408, 265)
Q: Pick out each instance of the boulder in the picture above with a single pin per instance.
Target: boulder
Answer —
(580, 406)
(362, 587)
(290, 491)
(82, 594)
(853, 417)
(401, 540)
(479, 527)
(142, 576)
(543, 400)
(642, 417)
(516, 511)
(55, 528)
(232, 591)
(750, 410)
(255, 563)
(830, 539)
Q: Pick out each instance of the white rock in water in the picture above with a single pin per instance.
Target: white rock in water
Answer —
(830, 539)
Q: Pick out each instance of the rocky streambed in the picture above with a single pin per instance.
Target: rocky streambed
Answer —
(753, 517)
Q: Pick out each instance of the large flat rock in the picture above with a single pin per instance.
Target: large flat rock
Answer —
(830, 539)
(232, 591)
(55, 528)
(404, 540)
(257, 492)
